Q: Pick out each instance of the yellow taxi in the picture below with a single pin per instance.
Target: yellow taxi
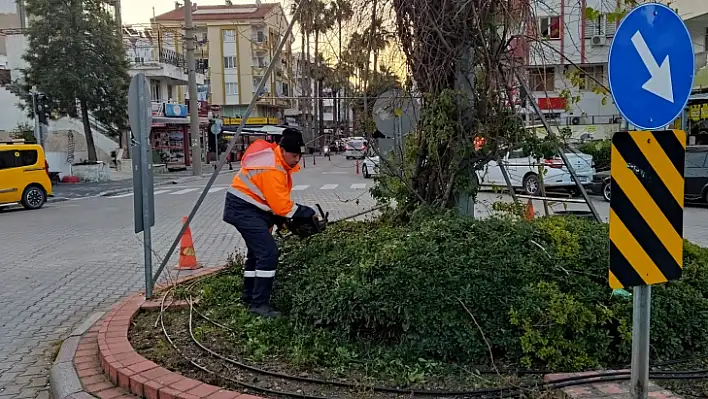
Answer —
(24, 175)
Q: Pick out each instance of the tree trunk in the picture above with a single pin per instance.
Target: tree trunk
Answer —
(302, 82)
(369, 42)
(320, 102)
(308, 100)
(335, 109)
(338, 100)
(90, 146)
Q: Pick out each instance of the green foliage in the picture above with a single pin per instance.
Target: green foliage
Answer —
(601, 152)
(25, 132)
(537, 289)
(74, 54)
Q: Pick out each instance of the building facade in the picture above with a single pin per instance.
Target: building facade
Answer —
(235, 45)
(158, 55)
(569, 57)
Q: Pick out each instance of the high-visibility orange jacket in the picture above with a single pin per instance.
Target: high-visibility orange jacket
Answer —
(265, 179)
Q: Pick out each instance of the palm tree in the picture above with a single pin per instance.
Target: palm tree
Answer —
(340, 10)
(321, 24)
(377, 39)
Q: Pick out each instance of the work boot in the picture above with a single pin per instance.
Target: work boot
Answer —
(264, 310)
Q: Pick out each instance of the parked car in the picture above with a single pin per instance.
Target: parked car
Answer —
(601, 184)
(355, 148)
(524, 174)
(24, 175)
(695, 172)
(370, 166)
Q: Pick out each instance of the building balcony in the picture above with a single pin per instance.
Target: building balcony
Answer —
(162, 64)
(155, 69)
(260, 43)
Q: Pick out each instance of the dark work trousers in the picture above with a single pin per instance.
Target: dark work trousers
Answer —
(262, 257)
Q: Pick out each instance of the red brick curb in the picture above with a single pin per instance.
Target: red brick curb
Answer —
(609, 390)
(107, 366)
(97, 360)
(139, 376)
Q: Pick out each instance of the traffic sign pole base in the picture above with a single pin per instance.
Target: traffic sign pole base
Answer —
(641, 315)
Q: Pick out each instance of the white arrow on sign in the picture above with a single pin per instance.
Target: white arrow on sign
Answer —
(660, 81)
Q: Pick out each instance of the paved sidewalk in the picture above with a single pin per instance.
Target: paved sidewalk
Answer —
(73, 258)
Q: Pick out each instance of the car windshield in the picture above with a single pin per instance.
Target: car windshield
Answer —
(356, 143)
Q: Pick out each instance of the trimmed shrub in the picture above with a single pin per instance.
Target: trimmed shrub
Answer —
(437, 287)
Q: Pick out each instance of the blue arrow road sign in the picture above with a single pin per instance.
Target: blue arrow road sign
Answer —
(651, 66)
(216, 127)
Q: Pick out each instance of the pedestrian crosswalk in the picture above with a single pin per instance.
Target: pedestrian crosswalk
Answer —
(221, 189)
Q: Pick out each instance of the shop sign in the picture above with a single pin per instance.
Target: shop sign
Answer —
(175, 111)
(252, 121)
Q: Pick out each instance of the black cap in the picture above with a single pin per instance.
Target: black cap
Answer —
(291, 141)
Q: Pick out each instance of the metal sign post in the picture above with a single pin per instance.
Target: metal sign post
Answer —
(140, 117)
(651, 68)
(216, 131)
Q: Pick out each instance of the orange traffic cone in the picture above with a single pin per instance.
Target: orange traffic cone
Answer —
(529, 213)
(187, 256)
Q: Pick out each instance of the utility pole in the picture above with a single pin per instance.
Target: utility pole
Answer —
(123, 133)
(192, 86)
(119, 19)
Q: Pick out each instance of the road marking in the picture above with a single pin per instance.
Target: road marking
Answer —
(329, 187)
(185, 191)
(300, 187)
(161, 192)
(359, 186)
(216, 189)
(121, 195)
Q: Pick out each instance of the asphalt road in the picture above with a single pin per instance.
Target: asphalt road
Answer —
(69, 259)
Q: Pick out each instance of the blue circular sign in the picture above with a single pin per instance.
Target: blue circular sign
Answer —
(216, 127)
(651, 66)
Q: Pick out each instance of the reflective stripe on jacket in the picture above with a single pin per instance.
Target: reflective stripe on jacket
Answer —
(265, 179)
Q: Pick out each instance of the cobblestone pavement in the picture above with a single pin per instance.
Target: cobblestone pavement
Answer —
(72, 258)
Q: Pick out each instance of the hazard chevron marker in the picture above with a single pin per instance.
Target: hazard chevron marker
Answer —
(646, 207)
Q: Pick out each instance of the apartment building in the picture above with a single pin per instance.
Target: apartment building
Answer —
(567, 38)
(157, 53)
(235, 45)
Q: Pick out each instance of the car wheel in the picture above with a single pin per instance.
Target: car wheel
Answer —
(606, 191)
(348, 158)
(532, 186)
(33, 197)
(365, 171)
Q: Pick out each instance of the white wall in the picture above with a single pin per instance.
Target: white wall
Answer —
(11, 114)
(15, 45)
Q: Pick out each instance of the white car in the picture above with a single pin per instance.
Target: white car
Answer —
(355, 148)
(523, 172)
(370, 167)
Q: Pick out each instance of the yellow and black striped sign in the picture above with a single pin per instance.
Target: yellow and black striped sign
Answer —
(646, 207)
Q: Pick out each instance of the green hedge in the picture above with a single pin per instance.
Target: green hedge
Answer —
(538, 291)
(601, 151)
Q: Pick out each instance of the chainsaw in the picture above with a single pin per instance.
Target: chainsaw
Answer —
(304, 227)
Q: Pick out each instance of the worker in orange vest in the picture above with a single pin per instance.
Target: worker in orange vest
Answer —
(259, 197)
